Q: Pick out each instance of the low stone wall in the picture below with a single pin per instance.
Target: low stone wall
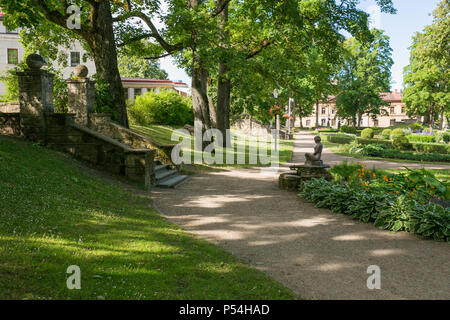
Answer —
(103, 124)
(60, 132)
(251, 127)
(9, 107)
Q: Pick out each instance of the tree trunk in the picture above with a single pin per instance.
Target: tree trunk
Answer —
(223, 83)
(441, 119)
(103, 45)
(200, 94)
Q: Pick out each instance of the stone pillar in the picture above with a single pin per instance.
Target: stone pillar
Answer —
(35, 98)
(81, 96)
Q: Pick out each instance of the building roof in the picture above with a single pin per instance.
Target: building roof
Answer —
(155, 81)
(395, 96)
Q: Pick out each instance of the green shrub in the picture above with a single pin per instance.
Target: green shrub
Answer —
(375, 141)
(399, 132)
(386, 134)
(367, 133)
(420, 138)
(370, 150)
(415, 127)
(103, 101)
(446, 137)
(343, 171)
(414, 156)
(338, 138)
(431, 147)
(164, 108)
(401, 143)
(347, 129)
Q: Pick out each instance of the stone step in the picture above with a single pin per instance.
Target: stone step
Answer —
(163, 174)
(172, 182)
(159, 167)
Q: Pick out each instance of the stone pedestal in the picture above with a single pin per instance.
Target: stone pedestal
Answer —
(81, 98)
(35, 98)
(291, 181)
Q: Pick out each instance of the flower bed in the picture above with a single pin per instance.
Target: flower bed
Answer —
(397, 202)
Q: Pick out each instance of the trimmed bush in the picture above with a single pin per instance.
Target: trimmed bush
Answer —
(397, 133)
(421, 138)
(164, 108)
(338, 138)
(374, 141)
(386, 134)
(401, 143)
(415, 127)
(414, 156)
(446, 137)
(347, 129)
(431, 147)
(367, 133)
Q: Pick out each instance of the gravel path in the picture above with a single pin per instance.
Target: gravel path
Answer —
(317, 254)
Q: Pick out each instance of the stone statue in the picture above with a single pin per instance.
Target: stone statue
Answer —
(314, 159)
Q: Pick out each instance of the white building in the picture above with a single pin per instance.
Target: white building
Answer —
(12, 52)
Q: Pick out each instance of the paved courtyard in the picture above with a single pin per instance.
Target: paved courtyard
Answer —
(317, 254)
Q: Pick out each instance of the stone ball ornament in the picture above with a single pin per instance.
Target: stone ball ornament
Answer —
(81, 71)
(35, 61)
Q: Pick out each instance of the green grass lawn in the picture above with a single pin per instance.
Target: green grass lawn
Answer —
(163, 135)
(54, 212)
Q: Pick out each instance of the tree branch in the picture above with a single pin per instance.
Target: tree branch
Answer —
(158, 57)
(221, 7)
(255, 52)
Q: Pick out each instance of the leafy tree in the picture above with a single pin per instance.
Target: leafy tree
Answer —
(427, 76)
(135, 67)
(364, 74)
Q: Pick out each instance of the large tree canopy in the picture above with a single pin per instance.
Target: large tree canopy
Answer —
(214, 40)
(365, 73)
(427, 76)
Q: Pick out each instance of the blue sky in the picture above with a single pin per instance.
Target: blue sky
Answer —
(412, 16)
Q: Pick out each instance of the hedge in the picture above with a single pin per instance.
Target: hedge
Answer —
(431, 147)
(338, 138)
(410, 155)
(386, 143)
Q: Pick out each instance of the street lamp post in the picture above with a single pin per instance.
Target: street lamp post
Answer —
(277, 121)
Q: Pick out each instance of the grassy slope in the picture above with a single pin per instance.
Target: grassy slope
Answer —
(163, 134)
(55, 213)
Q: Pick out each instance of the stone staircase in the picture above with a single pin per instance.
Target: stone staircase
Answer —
(166, 177)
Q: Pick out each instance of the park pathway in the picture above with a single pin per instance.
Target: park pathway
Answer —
(317, 254)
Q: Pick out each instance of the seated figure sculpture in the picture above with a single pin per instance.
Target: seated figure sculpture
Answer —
(314, 159)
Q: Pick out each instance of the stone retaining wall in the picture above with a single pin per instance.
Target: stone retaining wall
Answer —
(9, 107)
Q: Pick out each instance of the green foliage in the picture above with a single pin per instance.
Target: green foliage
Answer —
(421, 138)
(386, 134)
(365, 72)
(401, 143)
(431, 147)
(415, 127)
(104, 103)
(388, 144)
(367, 133)
(426, 76)
(393, 202)
(137, 67)
(338, 138)
(399, 132)
(370, 150)
(347, 129)
(409, 155)
(164, 108)
(446, 137)
(343, 171)
(9, 79)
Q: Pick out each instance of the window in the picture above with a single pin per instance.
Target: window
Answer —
(403, 110)
(137, 92)
(392, 122)
(324, 110)
(392, 110)
(125, 93)
(308, 123)
(324, 122)
(13, 56)
(74, 59)
(333, 111)
(375, 123)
